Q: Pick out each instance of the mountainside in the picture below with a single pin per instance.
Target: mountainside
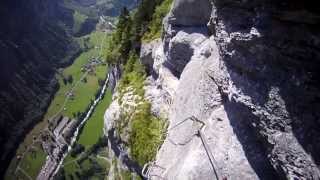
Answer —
(37, 39)
(238, 83)
(201, 89)
(34, 42)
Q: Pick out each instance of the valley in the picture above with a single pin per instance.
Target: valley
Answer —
(79, 84)
(159, 89)
(72, 99)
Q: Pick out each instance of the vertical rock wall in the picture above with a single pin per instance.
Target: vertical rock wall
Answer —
(251, 76)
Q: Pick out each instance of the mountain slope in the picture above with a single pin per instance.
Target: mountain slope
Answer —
(34, 42)
(37, 39)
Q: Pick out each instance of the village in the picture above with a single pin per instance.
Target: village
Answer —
(56, 140)
(90, 66)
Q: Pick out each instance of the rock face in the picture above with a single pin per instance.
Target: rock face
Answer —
(118, 138)
(190, 12)
(251, 77)
(114, 75)
(161, 86)
(158, 90)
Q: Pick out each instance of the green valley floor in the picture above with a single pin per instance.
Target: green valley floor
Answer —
(78, 86)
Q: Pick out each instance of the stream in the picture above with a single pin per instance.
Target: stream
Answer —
(81, 124)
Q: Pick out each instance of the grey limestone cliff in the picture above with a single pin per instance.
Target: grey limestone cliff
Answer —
(248, 71)
(238, 82)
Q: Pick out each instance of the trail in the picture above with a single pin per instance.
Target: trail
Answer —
(104, 158)
(25, 173)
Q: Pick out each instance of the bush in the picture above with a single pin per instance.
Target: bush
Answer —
(60, 175)
(77, 149)
(147, 134)
(133, 76)
(70, 79)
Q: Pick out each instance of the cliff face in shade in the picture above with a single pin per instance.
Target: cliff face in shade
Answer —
(249, 71)
(33, 44)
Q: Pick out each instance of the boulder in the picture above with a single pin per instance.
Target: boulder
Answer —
(190, 12)
(181, 49)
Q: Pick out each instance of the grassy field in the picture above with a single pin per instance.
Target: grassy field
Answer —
(93, 167)
(33, 162)
(94, 126)
(83, 93)
(30, 164)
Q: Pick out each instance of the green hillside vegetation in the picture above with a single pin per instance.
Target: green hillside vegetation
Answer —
(133, 76)
(78, 20)
(74, 5)
(147, 132)
(129, 31)
(93, 129)
(155, 26)
(33, 162)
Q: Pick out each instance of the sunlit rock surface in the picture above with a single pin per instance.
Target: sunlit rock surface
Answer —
(251, 77)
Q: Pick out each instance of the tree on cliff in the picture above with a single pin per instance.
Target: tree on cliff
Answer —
(130, 28)
(120, 43)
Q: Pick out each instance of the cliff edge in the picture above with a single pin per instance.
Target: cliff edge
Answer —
(237, 82)
(245, 106)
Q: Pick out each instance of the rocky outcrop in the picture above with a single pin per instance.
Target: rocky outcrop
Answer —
(246, 96)
(182, 47)
(160, 87)
(114, 75)
(190, 13)
(116, 129)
